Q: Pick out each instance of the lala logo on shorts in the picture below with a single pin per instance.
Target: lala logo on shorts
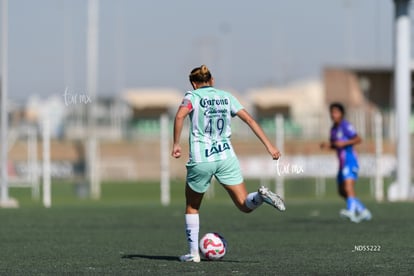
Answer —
(217, 149)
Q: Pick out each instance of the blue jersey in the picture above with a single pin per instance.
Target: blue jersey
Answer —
(348, 161)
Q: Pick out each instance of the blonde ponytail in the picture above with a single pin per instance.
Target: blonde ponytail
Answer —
(200, 74)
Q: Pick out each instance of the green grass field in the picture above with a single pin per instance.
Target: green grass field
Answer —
(128, 232)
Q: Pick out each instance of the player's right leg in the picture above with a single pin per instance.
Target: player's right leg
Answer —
(192, 224)
(341, 191)
(355, 211)
(347, 188)
(198, 180)
(357, 207)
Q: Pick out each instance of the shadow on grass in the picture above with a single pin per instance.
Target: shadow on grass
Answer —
(167, 258)
(149, 257)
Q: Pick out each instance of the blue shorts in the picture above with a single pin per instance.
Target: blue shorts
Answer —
(347, 172)
(227, 172)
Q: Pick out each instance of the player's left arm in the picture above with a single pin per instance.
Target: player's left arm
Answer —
(182, 112)
(254, 126)
(352, 136)
(351, 142)
(327, 145)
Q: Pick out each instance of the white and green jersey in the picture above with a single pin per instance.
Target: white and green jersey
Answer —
(211, 111)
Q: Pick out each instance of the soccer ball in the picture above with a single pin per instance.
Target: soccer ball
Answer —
(213, 246)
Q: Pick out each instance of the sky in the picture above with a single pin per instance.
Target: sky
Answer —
(155, 43)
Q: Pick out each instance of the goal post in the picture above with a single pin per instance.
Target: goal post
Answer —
(402, 94)
(92, 48)
(47, 189)
(5, 200)
(165, 160)
(379, 180)
(32, 162)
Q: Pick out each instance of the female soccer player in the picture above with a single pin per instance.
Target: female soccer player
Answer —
(343, 138)
(211, 153)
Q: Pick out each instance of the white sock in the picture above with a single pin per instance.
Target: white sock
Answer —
(253, 200)
(192, 226)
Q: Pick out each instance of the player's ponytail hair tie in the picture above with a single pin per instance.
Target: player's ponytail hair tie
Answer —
(200, 74)
(204, 70)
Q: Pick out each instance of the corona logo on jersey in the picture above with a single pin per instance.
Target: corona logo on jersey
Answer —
(206, 102)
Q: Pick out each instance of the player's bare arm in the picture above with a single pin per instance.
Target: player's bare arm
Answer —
(354, 141)
(327, 145)
(248, 119)
(340, 144)
(178, 127)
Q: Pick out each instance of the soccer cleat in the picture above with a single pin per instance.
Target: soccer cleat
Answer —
(190, 258)
(364, 215)
(272, 198)
(346, 214)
